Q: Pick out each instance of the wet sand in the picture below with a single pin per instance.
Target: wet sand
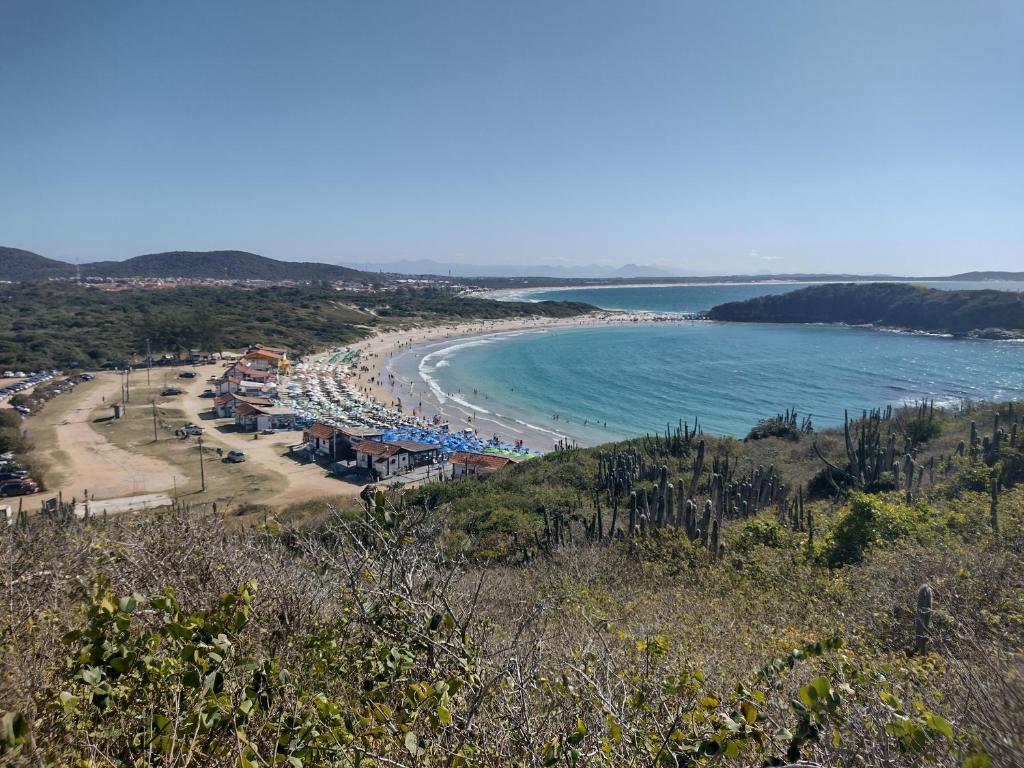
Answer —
(392, 377)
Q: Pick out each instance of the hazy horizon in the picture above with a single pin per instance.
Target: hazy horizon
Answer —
(725, 138)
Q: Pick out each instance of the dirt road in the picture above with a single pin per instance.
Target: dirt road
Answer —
(81, 458)
(300, 481)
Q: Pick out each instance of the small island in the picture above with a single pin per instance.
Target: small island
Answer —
(981, 314)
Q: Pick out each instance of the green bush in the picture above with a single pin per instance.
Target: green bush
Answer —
(760, 532)
(869, 519)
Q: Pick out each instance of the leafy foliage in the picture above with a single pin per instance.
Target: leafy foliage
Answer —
(359, 646)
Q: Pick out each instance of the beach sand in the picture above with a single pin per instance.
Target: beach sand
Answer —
(394, 352)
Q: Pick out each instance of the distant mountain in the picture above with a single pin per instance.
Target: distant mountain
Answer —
(225, 265)
(559, 271)
(18, 266)
(641, 270)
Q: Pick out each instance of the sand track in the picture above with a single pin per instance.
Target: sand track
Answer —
(82, 458)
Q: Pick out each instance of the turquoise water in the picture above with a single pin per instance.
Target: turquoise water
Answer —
(629, 380)
(615, 382)
(695, 298)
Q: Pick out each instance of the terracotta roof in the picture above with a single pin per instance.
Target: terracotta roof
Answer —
(479, 460)
(244, 409)
(321, 430)
(373, 448)
(252, 373)
(223, 399)
(264, 353)
(251, 400)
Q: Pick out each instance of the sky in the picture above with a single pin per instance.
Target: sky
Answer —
(704, 137)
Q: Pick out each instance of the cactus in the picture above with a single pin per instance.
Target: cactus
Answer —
(716, 537)
(908, 476)
(994, 506)
(923, 619)
(698, 467)
(705, 523)
(681, 503)
(974, 433)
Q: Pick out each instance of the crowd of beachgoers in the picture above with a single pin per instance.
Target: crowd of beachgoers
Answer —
(326, 389)
(352, 387)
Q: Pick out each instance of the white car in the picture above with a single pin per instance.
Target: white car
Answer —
(235, 457)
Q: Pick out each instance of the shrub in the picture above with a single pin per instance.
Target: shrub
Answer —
(921, 429)
(761, 532)
(868, 519)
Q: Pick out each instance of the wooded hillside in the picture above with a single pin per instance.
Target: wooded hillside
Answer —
(894, 305)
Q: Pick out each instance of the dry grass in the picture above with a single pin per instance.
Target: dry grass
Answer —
(227, 484)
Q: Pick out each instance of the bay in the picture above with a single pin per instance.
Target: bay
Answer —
(606, 383)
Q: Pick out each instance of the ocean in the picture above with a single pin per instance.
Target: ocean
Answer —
(596, 384)
(698, 297)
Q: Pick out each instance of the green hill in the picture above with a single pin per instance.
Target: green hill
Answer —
(894, 305)
(66, 325)
(228, 265)
(17, 265)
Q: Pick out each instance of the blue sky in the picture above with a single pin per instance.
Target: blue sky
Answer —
(709, 137)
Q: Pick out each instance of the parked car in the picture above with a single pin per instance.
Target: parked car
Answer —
(191, 429)
(169, 391)
(14, 474)
(187, 375)
(207, 393)
(235, 457)
(18, 487)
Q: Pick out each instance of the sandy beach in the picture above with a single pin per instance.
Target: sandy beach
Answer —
(390, 380)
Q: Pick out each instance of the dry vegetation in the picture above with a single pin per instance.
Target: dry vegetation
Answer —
(391, 638)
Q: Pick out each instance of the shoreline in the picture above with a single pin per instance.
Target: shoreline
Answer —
(510, 294)
(384, 355)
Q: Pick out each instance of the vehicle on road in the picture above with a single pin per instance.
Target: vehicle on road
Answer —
(235, 457)
(169, 392)
(18, 487)
(187, 375)
(190, 429)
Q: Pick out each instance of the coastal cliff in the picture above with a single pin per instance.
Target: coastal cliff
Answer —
(986, 313)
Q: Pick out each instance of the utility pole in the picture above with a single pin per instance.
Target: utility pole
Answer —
(202, 469)
(149, 361)
(155, 438)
